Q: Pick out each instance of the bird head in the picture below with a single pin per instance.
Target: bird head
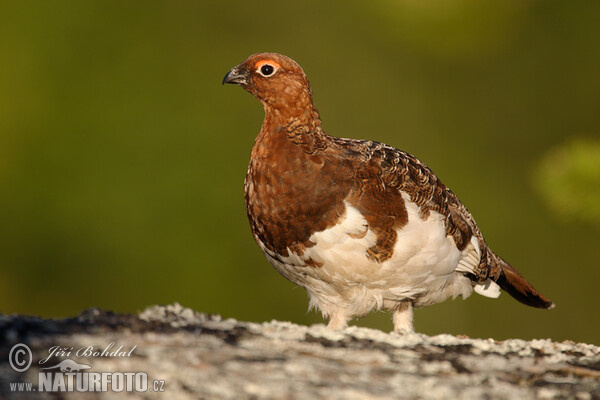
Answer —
(276, 80)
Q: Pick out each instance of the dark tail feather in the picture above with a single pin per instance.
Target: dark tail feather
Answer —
(513, 282)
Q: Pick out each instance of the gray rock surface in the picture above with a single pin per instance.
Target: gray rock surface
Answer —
(200, 356)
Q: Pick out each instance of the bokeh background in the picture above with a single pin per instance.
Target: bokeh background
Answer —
(122, 158)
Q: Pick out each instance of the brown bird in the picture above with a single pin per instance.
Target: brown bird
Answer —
(359, 224)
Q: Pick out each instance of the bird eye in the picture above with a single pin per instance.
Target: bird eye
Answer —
(266, 70)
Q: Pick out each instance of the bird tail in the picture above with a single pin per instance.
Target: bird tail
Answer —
(513, 282)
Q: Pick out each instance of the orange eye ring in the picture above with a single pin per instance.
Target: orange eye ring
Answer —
(266, 68)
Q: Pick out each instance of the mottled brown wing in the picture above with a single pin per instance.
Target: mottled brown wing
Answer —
(405, 173)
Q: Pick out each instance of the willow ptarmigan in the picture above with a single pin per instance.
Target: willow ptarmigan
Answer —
(359, 224)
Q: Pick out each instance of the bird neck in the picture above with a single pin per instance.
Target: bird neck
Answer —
(300, 129)
(303, 114)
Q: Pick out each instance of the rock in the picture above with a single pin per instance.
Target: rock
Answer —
(199, 356)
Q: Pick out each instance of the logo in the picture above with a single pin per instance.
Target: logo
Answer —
(20, 357)
(69, 366)
(68, 375)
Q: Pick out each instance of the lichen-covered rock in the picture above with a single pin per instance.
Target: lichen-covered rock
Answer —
(200, 356)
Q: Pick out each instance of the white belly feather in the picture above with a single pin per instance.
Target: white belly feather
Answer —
(426, 266)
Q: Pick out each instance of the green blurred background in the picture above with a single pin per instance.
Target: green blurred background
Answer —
(122, 158)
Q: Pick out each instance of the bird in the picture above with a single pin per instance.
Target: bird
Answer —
(359, 224)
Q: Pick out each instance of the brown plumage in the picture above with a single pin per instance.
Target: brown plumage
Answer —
(358, 224)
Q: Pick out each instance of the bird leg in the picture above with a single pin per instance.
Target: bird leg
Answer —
(403, 318)
(338, 321)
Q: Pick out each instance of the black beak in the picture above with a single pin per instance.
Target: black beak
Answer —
(234, 76)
